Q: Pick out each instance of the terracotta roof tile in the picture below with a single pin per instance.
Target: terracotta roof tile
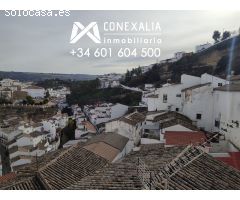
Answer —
(182, 138)
(7, 177)
(104, 150)
(113, 139)
(233, 160)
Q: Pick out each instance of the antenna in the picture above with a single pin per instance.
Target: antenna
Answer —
(161, 180)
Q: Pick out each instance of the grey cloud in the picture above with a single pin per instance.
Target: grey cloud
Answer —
(41, 44)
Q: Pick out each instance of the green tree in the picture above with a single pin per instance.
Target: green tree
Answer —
(47, 95)
(45, 101)
(225, 35)
(29, 100)
(216, 36)
(128, 76)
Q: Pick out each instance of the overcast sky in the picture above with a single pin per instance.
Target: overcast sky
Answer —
(41, 44)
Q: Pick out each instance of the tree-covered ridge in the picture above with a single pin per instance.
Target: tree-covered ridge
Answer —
(88, 92)
(214, 60)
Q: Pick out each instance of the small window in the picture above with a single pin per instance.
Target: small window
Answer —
(199, 116)
(178, 95)
(219, 84)
(177, 109)
(165, 98)
(217, 123)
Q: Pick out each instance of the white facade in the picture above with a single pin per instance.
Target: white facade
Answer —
(198, 105)
(9, 83)
(130, 131)
(110, 80)
(168, 97)
(195, 101)
(177, 127)
(179, 55)
(51, 125)
(105, 112)
(124, 128)
(227, 115)
(215, 81)
(59, 92)
(202, 47)
(198, 101)
(149, 87)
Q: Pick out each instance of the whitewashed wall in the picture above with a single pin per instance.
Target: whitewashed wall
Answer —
(227, 111)
(199, 101)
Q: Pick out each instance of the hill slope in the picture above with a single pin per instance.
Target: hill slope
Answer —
(215, 60)
(30, 76)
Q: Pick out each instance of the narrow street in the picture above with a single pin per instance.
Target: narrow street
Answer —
(5, 160)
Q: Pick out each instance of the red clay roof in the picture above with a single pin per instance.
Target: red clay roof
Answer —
(233, 160)
(183, 138)
(104, 150)
(7, 177)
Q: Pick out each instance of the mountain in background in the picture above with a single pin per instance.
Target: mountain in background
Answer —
(36, 77)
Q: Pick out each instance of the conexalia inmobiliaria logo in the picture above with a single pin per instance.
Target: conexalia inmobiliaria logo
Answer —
(124, 39)
(76, 35)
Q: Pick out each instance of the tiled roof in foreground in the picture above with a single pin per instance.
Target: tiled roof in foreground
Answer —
(25, 184)
(78, 168)
(204, 172)
(113, 139)
(183, 138)
(120, 176)
(59, 172)
(123, 175)
(7, 177)
(104, 150)
(71, 166)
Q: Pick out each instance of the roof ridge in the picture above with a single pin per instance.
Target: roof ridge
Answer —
(59, 156)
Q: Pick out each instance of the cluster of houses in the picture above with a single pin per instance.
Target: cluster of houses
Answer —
(109, 161)
(27, 140)
(24, 139)
(16, 91)
(84, 128)
(103, 112)
(212, 103)
(110, 80)
(193, 123)
(58, 96)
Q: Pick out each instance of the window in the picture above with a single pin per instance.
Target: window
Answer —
(177, 109)
(198, 116)
(178, 95)
(217, 123)
(219, 84)
(165, 98)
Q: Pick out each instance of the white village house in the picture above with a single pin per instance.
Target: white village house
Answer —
(202, 47)
(168, 97)
(226, 112)
(198, 101)
(129, 126)
(104, 112)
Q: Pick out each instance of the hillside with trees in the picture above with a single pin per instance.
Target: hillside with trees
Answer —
(216, 60)
(88, 92)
